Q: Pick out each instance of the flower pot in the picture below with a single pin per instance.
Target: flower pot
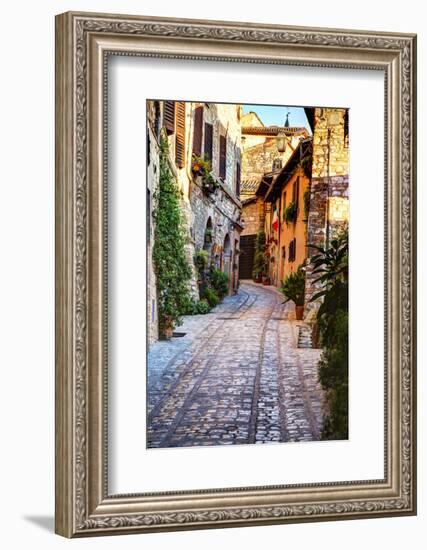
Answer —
(167, 330)
(257, 279)
(266, 281)
(168, 333)
(299, 312)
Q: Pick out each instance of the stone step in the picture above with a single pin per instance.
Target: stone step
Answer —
(305, 340)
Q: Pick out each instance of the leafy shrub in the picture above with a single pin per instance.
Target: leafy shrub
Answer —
(211, 296)
(331, 264)
(293, 286)
(219, 282)
(196, 307)
(203, 307)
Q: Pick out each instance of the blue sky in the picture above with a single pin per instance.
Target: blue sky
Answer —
(272, 115)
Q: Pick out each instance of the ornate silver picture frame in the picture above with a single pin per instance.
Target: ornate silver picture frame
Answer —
(84, 42)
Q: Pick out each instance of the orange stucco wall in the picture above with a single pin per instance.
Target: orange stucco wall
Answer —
(279, 240)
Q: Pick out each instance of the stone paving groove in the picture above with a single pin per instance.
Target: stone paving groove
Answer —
(237, 376)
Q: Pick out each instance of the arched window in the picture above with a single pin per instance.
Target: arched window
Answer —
(208, 237)
(227, 255)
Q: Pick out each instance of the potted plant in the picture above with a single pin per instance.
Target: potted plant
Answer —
(259, 259)
(293, 288)
(257, 277)
(167, 327)
(266, 280)
(202, 167)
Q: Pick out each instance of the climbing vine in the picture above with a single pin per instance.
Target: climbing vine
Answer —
(170, 263)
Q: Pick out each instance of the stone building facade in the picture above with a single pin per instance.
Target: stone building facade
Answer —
(329, 198)
(315, 178)
(265, 150)
(216, 216)
(286, 221)
(212, 217)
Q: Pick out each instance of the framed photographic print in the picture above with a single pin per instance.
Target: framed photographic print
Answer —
(235, 274)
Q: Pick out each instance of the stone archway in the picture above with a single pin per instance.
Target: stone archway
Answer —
(227, 256)
(208, 237)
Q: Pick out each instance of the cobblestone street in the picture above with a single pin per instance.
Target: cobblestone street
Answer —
(237, 376)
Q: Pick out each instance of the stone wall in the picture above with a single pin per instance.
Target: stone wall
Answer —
(222, 208)
(329, 189)
(253, 216)
(258, 159)
(152, 184)
(330, 143)
(225, 121)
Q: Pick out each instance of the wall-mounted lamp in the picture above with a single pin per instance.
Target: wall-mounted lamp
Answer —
(281, 142)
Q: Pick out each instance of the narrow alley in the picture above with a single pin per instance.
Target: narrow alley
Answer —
(235, 375)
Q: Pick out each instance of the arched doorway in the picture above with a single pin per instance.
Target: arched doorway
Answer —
(227, 256)
(208, 237)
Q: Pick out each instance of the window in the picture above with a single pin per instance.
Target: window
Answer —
(148, 218)
(198, 130)
(346, 125)
(292, 250)
(277, 165)
(169, 116)
(295, 192)
(208, 145)
(180, 134)
(148, 148)
(157, 126)
(222, 157)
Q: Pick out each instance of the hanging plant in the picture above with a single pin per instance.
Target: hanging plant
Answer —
(290, 214)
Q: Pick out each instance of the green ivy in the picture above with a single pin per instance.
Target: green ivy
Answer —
(170, 263)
